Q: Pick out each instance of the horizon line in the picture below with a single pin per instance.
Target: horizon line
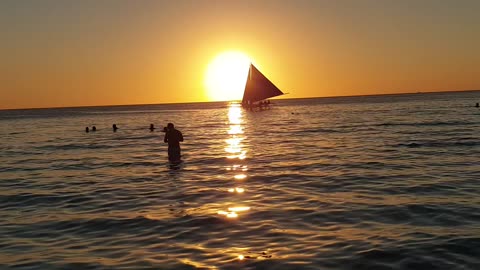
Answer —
(220, 101)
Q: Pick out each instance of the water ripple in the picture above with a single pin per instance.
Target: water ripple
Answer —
(366, 183)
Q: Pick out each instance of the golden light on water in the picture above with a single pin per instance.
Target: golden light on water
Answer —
(233, 211)
(232, 215)
(234, 142)
(234, 145)
(235, 114)
(235, 129)
(228, 214)
(237, 167)
(235, 150)
(238, 209)
(241, 155)
(237, 190)
(240, 176)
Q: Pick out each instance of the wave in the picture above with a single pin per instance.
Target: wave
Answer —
(26, 200)
(319, 130)
(430, 124)
(440, 144)
(435, 253)
(106, 227)
(330, 190)
(73, 146)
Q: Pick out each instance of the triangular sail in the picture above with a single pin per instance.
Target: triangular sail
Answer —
(258, 87)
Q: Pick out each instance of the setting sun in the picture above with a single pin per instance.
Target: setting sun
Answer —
(226, 76)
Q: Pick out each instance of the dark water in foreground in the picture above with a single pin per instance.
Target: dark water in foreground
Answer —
(384, 182)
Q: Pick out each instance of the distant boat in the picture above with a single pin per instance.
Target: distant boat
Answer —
(258, 88)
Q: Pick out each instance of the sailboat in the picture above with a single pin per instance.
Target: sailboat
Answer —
(258, 88)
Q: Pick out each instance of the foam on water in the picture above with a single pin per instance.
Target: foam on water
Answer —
(383, 182)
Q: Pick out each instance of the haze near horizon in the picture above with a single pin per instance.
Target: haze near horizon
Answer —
(60, 54)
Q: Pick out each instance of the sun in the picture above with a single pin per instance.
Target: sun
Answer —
(226, 76)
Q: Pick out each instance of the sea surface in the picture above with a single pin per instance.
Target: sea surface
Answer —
(372, 182)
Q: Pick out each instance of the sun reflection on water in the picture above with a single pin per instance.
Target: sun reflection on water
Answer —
(235, 129)
(235, 114)
(234, 146)
(235, 152)
(237, 190)
(237, 167)
(240, 176)
(238, 209)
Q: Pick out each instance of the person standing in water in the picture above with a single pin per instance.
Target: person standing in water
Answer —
(173, 137)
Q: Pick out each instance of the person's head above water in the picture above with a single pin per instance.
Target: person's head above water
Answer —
(170, 126)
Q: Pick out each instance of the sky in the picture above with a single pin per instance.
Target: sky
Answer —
(100, 52)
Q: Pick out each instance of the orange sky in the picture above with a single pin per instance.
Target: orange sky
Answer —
(82, 53)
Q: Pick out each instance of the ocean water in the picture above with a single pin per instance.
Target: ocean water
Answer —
(377, 182)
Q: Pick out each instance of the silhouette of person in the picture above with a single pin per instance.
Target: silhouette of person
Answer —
(173, 137)
(477, 105)
(114, 127)
(249, 105)
(87, 130)
(94, 128)
(152, 127)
